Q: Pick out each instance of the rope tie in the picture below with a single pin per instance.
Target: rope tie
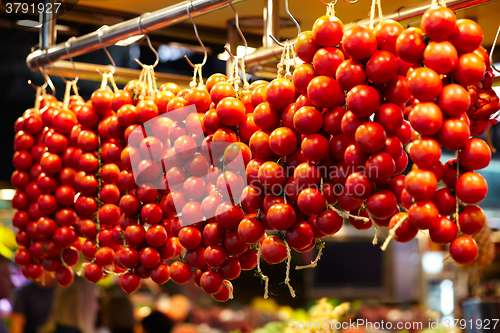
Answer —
(375, 3)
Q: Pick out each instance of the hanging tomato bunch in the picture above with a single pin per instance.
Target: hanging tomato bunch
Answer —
(202, 183)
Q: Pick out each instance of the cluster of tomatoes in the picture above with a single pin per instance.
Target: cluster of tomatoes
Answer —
(46, 163)
(393, 75)
(200, 183)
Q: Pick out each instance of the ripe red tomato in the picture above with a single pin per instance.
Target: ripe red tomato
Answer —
(405, 232)
(283, 141)
(300, 235)
(454, 100)
(234, 244)
(326, 61)
(303, 74)
(382, 205)
(350, 73)
(410, 46)
(211, 282)
(475, 155)
(425, 152)
(230, 111)
(423, 215)
(266, 117)
(454, 134)
(332, 118)
(441, 56)
(359, 42)
(471, 220)
(250, 230)
(444, 231)
(421, 184)
(424, 84)
(228, 215)
(314, 147)
(426, 118)
(248, 260)
(349, 124)
(93, 273)
(463, 250)
(64, 121)
(323, 91)
(355, 157)
(382, 67)
(149, 257)
(363, 100)
(308, 120)
(327, 30)
(224, 294)
(109, 214)
(467, 36)
(370, 137)
(380, 166)
(215, 255)
(259, 145)
(471, 188)
(387, 32)
(306, 46)
(445, 201)
(64, 276)
(180, 272)
(390, 116)
(469, 70)
(358, 187)
(200, 98)
(281, 216)
(311, 201)
(396, 91)
(160, 274)
(273, 250)
(280, 93)
(438, 22)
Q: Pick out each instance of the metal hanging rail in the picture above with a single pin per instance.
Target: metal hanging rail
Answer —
(264, 55)
(110, 35)
(121, 75)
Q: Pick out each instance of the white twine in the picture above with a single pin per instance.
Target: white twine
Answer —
(39, 91)
(67, 94)
(392, 232)
(372, 12)
(330, 8)
(262, 276)
(347, 215)
(287, 278)
(313, 263)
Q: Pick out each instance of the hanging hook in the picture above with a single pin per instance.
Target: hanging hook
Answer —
(141, 29)
(237, 24)
(198, 37)
(493, 50)
(99, 35)
(68, 45)
(47, 80)
(294, 22)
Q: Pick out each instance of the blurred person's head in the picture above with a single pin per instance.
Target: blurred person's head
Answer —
(156, 322)
(118, 314)
(74, 306)
(6, 285)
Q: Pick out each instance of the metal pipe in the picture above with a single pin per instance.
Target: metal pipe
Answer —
(48, 28)
(271, 21)
(121, 75)
(110, 35)
(264, 55)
